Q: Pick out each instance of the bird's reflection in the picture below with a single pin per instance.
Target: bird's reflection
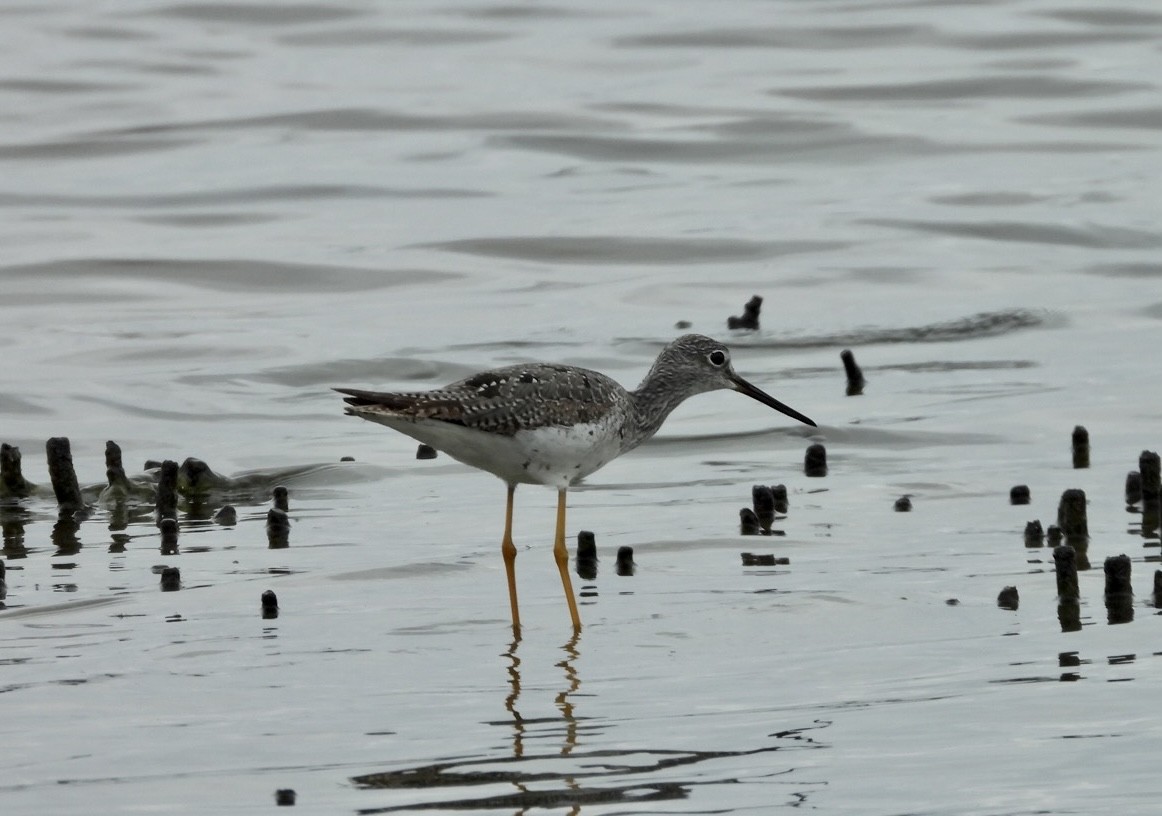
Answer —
(601, 776)
(574, 684)
(562, 700)
(518, 722)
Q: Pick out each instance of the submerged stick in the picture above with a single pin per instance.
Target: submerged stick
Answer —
(281, 499)
(625, 562)
(167, 490)
(763, 560)
(113, 456)
(748, 522)
(1009, 599)
(171, 579)
(1080, 442)
(1119, 596)
(1034, 534)
(1071, 515)
(1150, 468)
(277, 529)
(1019, 494)
(1069, 614)
(269, 604)
(169, 535)
(12, 481)
(750, 315)
(586, 545)
(1065, 565)
(1151, 517)
(855, 379)
(1133, 487)
(586, 555)
(1117, 569)
(64, 477)
(815, 461)
(780, 494)
(115, 472)
(763, 499)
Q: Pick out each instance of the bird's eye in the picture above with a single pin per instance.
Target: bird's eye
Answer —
(717, 358)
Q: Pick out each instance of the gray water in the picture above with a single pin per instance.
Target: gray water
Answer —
(214, 212)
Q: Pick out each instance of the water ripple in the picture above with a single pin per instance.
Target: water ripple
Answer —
(1012, 86)
(245, 195)
(778, 144)
(1092, 236)
(984, 324)
(603, 249)
(87, 148)
(1106, 16)
(391, 36)
(1037, 40)
(57, 86)
(829, 37)
(1135, 118)
(266, 14)
(227, 275)
(370, 119)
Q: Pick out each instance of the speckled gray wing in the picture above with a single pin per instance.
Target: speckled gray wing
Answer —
(504, 400)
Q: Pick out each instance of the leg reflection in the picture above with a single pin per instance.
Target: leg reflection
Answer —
(518, 722)
(574, 684)
(563, 700)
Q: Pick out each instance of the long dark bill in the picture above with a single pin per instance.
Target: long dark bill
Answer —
(743, 387)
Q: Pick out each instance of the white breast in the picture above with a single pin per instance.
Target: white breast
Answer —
(557, 456)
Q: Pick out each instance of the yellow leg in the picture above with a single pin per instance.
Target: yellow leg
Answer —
(508, 550)
(562, 556)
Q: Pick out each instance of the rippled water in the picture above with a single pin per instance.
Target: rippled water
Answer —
(214, 212)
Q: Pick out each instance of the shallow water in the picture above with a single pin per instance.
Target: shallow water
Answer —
(215, 212)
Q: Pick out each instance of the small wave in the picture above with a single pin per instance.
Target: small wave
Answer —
(1126, 118)
(982, 324)
(1013, 86)
(1093, 236)
(804, 38)
(600, 249)
(229, 275)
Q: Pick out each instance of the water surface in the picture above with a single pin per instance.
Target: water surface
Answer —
(215, 212)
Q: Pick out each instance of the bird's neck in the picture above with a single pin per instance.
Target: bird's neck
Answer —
(653, 401)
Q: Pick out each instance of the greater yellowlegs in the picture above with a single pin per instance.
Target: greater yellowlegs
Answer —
(553, 425)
